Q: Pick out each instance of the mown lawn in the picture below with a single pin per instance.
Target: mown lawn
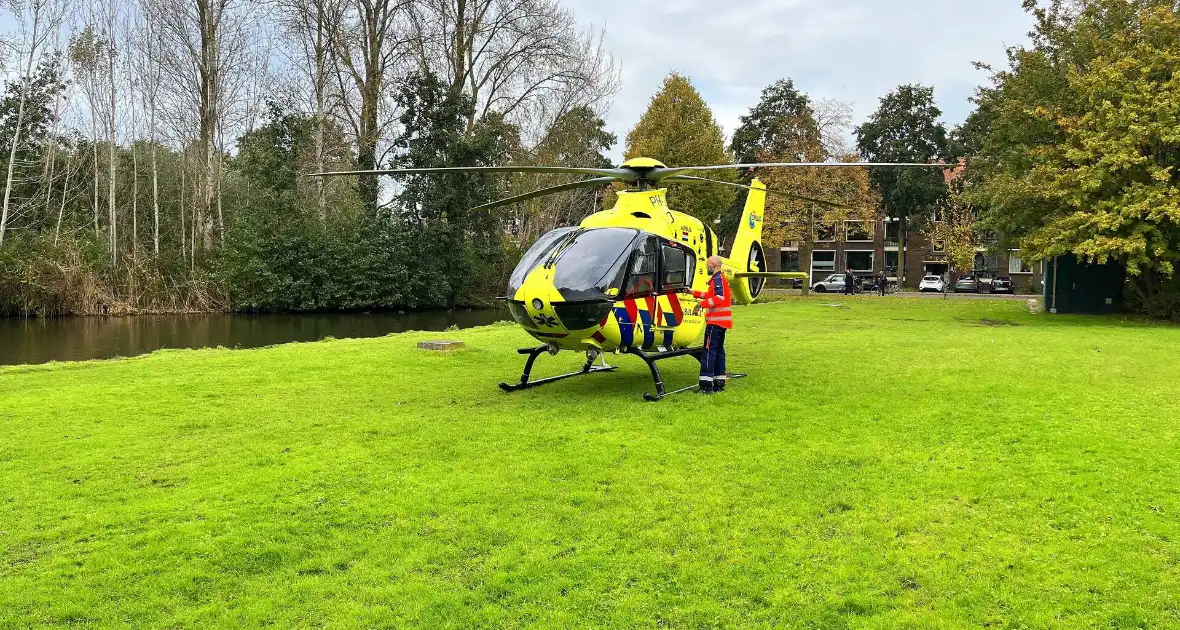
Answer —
(890, 463)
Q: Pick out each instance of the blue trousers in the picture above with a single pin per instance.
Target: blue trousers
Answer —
(713, 360)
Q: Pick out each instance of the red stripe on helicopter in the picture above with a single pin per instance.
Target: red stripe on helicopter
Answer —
(677, 309)
(632, 311)
(599, 337)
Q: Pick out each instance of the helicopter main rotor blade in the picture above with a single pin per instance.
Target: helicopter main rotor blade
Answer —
(690, 179)
(614, 173)
(586, 183)
(664, 173)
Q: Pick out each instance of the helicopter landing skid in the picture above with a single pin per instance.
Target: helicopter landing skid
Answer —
(533, 353)
(651, 359)
(691, 388)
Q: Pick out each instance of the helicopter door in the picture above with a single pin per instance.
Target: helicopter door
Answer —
(641, 276)
(678, 267)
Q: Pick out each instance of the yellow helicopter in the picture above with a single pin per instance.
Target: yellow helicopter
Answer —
(621, 280)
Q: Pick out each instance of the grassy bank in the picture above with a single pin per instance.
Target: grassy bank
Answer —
(890, 463)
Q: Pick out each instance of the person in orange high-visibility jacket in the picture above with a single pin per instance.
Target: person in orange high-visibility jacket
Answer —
(718, 305)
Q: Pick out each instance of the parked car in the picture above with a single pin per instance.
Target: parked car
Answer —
(832, 284)
(967, 284)
(1002, 284)
(932, 283)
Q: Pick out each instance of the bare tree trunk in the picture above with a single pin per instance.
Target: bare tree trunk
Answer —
(365, 52)
(208, 14)
(20, 119)
(94, 145)
(111, 146)
(155, 201)
(321, 96)
(183, 229)
(134, 198)
(48, 173)
(65, 193)
(112, 215)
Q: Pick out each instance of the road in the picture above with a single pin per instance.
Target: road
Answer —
(929, 296)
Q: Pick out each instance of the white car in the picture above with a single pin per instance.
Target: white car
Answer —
(932, 283)
(832, 284)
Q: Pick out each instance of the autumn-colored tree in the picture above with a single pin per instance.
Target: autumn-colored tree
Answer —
(679, 130)
(1079, 144)
(781, 124)
(790, 219)
(956, 230)
(783, 127)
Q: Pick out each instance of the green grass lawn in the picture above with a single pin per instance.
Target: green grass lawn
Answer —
(890, 463)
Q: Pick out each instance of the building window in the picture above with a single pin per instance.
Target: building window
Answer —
(891, 262)
(983, 262)
(859, 261)
(858, 231)
(822, 260)
(789, 261)
(938, 247)
(893, 231)
(1016, 265)
(825, 233)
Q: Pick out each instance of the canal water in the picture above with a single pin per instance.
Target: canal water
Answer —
(24, 341)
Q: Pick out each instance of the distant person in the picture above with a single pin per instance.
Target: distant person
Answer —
(849, 283)
(882, 283)
(718, 304)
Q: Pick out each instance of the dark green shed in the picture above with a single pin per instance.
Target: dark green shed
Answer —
(1074, 286)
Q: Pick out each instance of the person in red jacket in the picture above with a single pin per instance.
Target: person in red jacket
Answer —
(718, 305)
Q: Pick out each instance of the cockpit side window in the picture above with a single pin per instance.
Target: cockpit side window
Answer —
(678, 267)
(644, 261)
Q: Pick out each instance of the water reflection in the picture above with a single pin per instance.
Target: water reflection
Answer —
(80, 338)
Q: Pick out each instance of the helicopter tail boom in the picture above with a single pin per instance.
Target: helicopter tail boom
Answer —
(746, 254)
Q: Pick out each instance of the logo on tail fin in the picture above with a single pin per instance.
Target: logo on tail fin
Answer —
(754, 220)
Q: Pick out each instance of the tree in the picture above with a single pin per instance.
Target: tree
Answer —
(576, 139)
(834, 119)
(465, 248)
(781, 124)
(309, 24)
(38, 20)
(27, 116)
(1079, 148)
(906, 128)
(679, 130)
(789, 219)
(204, 52)
(956, 230)
(524, 59)
(368, 41)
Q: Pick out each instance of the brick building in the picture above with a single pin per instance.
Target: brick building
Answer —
(868, 247)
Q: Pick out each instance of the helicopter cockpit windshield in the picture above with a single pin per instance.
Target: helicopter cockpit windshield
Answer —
(593, 262)
(535, 255)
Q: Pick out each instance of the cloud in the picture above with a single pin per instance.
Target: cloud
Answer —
(850, 50)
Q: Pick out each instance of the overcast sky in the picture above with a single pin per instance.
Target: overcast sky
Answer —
(851, 50)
